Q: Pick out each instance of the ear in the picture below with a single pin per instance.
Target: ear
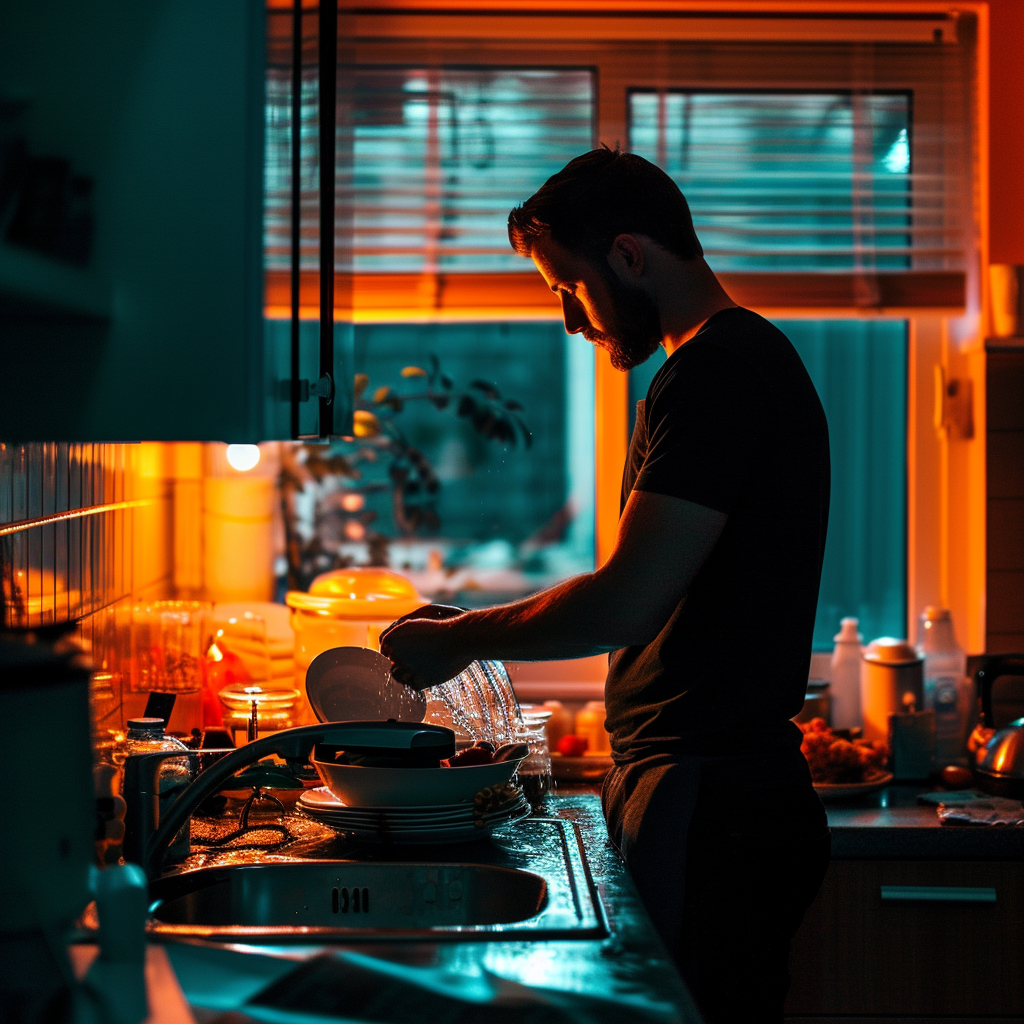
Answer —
(627, 256)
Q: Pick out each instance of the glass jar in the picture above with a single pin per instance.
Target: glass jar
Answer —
(146, 736)
(535, 771)
(169, 640)
(252, 711)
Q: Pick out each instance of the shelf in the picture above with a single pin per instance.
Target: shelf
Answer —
(35, 287)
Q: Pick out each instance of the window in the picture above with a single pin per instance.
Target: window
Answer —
(512, 520)
(834, 180)
(792, 181)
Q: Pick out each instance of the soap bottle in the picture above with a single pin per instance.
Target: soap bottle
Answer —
(947, 690)
(845, 683)
(146, 736)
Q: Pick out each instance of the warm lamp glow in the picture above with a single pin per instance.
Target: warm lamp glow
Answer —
(243, 457)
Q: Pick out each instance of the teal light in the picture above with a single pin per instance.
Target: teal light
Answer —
(897, 160)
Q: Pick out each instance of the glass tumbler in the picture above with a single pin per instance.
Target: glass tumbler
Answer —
(535, 770)
(169, 640)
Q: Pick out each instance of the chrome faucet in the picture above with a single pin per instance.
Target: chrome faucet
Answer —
(146, 846)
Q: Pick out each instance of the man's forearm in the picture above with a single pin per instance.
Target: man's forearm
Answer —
(580, 617)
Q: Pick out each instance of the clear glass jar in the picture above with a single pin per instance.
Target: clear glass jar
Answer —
(169, 641)
(535, 771)
(146, 736)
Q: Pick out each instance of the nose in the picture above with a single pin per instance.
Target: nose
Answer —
(572, 315)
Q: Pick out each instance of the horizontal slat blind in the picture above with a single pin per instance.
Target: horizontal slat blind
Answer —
(439, 157)
(811, 181)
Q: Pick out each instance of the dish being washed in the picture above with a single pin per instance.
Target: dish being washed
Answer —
(354, 684)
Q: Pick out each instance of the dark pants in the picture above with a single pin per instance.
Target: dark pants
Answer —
(727, 855)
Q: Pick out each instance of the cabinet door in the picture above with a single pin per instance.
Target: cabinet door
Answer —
(161, 337)
(912, 937)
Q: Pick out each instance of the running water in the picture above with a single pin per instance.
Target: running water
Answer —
(481, 703)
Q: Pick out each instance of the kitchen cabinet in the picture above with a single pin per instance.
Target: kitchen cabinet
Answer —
(889, 939)
(162, 336)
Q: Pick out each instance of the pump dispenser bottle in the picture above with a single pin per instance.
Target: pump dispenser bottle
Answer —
(947, 690)
(845, 684)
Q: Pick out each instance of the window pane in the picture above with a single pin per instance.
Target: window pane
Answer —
(795, 181)
(441, 155)
(859, 369)
(512, 519)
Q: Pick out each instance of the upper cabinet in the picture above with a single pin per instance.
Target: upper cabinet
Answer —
(153, 327)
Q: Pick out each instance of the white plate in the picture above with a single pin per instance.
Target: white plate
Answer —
(322, 797)
(434, 835)
(588, 768)
(354, 684)
(359, 786)
(322, 803)
(371, 828)
(845, 790)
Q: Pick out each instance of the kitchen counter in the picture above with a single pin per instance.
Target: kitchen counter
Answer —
(625, 973)
(892, 825)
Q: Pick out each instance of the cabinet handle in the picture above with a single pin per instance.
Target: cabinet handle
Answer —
(940, 893)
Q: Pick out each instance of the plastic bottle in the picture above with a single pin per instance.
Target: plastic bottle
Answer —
(146, 736)
(845, 683)
(590, 724)
(947, 690)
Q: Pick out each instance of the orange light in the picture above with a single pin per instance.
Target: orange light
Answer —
(353, 502)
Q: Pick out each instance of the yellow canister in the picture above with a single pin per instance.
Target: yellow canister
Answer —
(890, 671)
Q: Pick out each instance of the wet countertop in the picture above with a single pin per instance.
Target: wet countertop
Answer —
(892, 824)
(624, 973)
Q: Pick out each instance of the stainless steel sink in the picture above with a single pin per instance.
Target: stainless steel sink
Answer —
(542, 890)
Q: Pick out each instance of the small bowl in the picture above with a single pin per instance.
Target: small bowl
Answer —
(358, 786)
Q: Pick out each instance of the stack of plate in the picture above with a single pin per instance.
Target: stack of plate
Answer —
(444, 823)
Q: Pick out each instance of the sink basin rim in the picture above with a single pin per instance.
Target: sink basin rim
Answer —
(580, 914)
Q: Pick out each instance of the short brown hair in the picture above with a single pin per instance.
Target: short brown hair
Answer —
(600, 195)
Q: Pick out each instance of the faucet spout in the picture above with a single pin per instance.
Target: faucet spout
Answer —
(293, 745)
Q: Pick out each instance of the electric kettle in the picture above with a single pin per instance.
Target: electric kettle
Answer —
(1000, 762)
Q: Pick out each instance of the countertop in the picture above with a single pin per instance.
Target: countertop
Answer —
(626, 975)
(892, 825)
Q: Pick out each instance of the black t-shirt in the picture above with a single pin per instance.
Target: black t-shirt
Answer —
(732, 422)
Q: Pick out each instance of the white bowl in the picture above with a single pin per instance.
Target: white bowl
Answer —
(358, 786)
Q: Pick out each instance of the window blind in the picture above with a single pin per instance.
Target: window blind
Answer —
(437, 158)
(798, 181)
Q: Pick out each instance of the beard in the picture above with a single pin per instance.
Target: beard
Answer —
(636, 328)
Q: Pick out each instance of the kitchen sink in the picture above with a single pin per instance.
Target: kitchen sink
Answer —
(531, 883)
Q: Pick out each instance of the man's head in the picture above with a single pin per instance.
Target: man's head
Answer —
(585, 229)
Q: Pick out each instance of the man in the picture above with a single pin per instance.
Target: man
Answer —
(707, 602)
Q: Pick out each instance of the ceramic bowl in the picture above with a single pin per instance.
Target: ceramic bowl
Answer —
(358, 786)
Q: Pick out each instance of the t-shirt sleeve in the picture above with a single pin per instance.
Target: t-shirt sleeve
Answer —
(702, 430)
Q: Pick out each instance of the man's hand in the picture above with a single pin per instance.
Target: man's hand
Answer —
(663, 543)
(422, 652)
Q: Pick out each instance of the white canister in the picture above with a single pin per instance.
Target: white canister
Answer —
(890, 670)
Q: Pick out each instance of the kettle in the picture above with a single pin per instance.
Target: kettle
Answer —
(1000, 761)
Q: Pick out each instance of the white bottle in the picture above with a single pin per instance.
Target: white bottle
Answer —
(947, 690)
(845, 681)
